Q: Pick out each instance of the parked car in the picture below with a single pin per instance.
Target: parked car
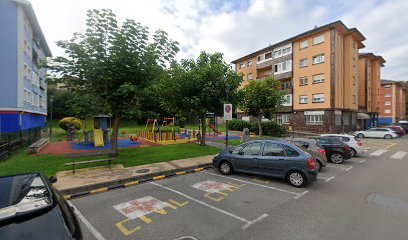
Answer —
(270, 158)
(377, 133)
(399, 130)
(313, 148)
(336, 151)
(31, 208)
(355, 145)
(403, 125)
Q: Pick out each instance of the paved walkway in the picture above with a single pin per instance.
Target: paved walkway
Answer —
(88, 178)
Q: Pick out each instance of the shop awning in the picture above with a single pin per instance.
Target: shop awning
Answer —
(363, 116)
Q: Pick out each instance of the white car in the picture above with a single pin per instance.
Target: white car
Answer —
(377, 133)
(355, 145)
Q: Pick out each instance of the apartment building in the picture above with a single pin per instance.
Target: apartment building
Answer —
(23, 92)
(319, 71)
(369, 66)
(392, 102)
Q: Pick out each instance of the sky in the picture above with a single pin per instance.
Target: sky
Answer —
(240, 27)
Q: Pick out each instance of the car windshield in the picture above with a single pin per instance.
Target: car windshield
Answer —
(22, 193)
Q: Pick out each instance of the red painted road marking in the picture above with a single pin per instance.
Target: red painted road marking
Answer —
(212, 186)
(140, 207)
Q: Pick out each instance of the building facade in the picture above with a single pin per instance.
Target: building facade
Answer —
(392, 102)
(319, 71)
(23, 92)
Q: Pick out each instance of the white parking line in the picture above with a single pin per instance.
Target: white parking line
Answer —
(247, 222)
(378, 152)
(256, 184)
(326, 179)
(399, 155)
(339, 167)
(88, 225)
(361, 161)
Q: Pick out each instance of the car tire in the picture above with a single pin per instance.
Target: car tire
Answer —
(387, 136)
(353, 152)
(336, 158)
(360, 135)
(226, 168)
(296, 179)
(319, 165)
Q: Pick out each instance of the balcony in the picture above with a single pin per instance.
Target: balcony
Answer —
(264, 63)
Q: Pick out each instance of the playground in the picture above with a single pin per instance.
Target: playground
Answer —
(96, 133)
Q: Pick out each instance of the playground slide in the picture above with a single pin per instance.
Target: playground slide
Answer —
(215, 130)
(98, 138)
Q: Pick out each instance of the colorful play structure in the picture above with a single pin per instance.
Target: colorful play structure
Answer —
(153, 132)
(96, 131)
(211, 122)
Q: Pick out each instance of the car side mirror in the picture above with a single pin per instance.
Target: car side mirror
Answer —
(230, 151)
(53, 179)
(241, 153)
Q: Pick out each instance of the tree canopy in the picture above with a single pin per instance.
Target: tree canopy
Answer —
(112, 62)
(261, 99)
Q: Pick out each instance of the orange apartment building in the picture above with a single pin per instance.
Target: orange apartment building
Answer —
(369, 66)
(392, 102)
(319, 71)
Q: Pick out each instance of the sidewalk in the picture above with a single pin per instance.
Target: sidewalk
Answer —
(88, 179)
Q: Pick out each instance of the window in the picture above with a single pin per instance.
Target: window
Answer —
(387, 86)
(252, 149)
(303, 62)
(318, 39)
(354, 81)
(318, 98)
(290, 152)
(36, 79)
(388, 95)
(273, 150)
(277, 53)
(282, 51)
(249, 63)
(337, 118)
(318, 59)
(259, 58)
(249, 76)
(346, 118)
(354, 99)
(354, 45)
(268, 55)
(303, 44)
(283, 67)
(236, 150)
(36, 100)
(353, 119)
(286, 85)
(354, 62)
(387, 111)
(287, 100)
(27, 72)
(387, 103)
(27, 96)
(303, 99)
(319, 78)
(302, 144)
(283, 119)
(314, 119)
(242, 65)
(302, 81)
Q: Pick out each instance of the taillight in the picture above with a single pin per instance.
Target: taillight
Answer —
(310, 164)
(346, 147)
(321, 151)
(360, 144)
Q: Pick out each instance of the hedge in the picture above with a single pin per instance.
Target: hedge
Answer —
(269, 128)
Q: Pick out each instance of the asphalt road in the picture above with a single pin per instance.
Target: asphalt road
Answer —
(364, 198)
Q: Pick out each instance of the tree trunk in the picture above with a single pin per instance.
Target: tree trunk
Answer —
(260, 125)
(203, 130)
(115, 131)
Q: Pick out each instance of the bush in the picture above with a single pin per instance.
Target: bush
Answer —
(70, 122)
(269, 128)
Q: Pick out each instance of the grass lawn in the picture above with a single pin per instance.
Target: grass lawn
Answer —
(22, 162)
(236, 142)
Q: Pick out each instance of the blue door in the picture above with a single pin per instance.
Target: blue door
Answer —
(247, 158)
(272, 160)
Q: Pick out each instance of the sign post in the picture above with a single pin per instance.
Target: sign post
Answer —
(227, 116)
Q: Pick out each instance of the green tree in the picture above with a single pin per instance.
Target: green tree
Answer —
(261, 99)
(113, 63)
(198, 87)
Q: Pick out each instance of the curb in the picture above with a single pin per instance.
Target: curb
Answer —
(128, 182)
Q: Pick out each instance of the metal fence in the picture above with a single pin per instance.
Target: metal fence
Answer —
(9, 142)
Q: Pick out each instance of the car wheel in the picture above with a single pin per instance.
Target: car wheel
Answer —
(296, 179)
(226, 168)
(337, 157)
(387, 136)
(353, 152)
(360, 135)
(318, 165)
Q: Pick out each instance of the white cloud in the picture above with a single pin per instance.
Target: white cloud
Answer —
(237, 28)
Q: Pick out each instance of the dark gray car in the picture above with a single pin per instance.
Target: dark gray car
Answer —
(270, 158)
(313, 148)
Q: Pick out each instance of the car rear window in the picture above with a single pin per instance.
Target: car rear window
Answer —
(290, 152)
(23, 193)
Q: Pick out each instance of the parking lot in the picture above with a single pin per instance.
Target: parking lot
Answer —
(345, 202)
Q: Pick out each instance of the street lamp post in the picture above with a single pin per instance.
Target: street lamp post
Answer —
(226, 121)
(51, 101)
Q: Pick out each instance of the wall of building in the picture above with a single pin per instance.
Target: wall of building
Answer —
(17, 121)
(246, 70)
(8, 56)
(310, 71)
